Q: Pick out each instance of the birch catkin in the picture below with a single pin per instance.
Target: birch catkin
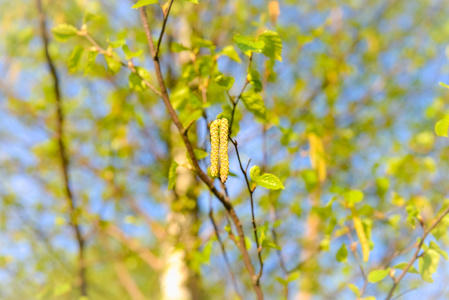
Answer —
(214, 142)
(224, 160)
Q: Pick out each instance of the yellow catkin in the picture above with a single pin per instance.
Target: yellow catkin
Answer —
(214, 141)
(224, 160)
(358, 226)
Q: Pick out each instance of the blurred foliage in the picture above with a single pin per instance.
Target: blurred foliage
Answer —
(337, 119)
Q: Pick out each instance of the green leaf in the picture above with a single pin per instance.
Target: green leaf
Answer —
(75, 58)
(207, 251)
(116, 44)
(272, 245)
(63, 32)
(193, 1)
(293, 276)
(273, 45)
(353, 196)
(129, 54)
(254, 173)
(136, 81)
(254, 103)
(141, 3)
(428, 264)
(269, 181)
(402, 266)
(445, 85)
(254, 79)
(434, 246)
(442, 126)
(310, 178)
(354, 289)
(230, 52)
(377, 275)
(342, 254)
(113, 62)
(172, 175)
(248, 243)
(266, 180)
(282, 281)
(248, 45)
(200, 154)
(176, 47)
(91, 56)
(225, 81)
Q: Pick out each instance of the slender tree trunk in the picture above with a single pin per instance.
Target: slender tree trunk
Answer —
(179, 281)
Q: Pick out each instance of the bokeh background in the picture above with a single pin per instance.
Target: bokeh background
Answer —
(359, 77)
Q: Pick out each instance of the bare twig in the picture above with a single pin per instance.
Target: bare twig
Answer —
(359, 263)
(152, 260)
(236, 101)
(63, 157)
(223, 250)
(253, 218)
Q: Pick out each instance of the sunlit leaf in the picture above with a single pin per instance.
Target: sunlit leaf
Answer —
(63, 32)
(141, 3)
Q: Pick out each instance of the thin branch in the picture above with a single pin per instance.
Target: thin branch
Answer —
(236, 101)
(253, 218)
(223, 250)
(145, 254)
(164, 24)
(359, 263)
(129, 64)
(62, 152)
(200, 173)
(416, 254)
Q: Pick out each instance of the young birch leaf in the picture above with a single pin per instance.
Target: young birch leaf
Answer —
(353, 196)
(172, 175)
(248, 45)
(273, 45)
(377, 275)
(141, 3)
(225, 81)
(402, 266)
(254, 79)
(200, 154)
(176, 47)
(442, 126)
(116, 44)
(63, 32)
(254, 103)
(230, 52)
(254, 173)
(129, 54)
(342, 254)
(354, 289)
(428, 264)
(91, 56)
(136, 81)
(113, 62)
(434, 246)
(75, 58)
(269, 181)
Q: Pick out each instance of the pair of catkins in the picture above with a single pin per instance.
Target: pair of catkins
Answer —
(219, 149)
